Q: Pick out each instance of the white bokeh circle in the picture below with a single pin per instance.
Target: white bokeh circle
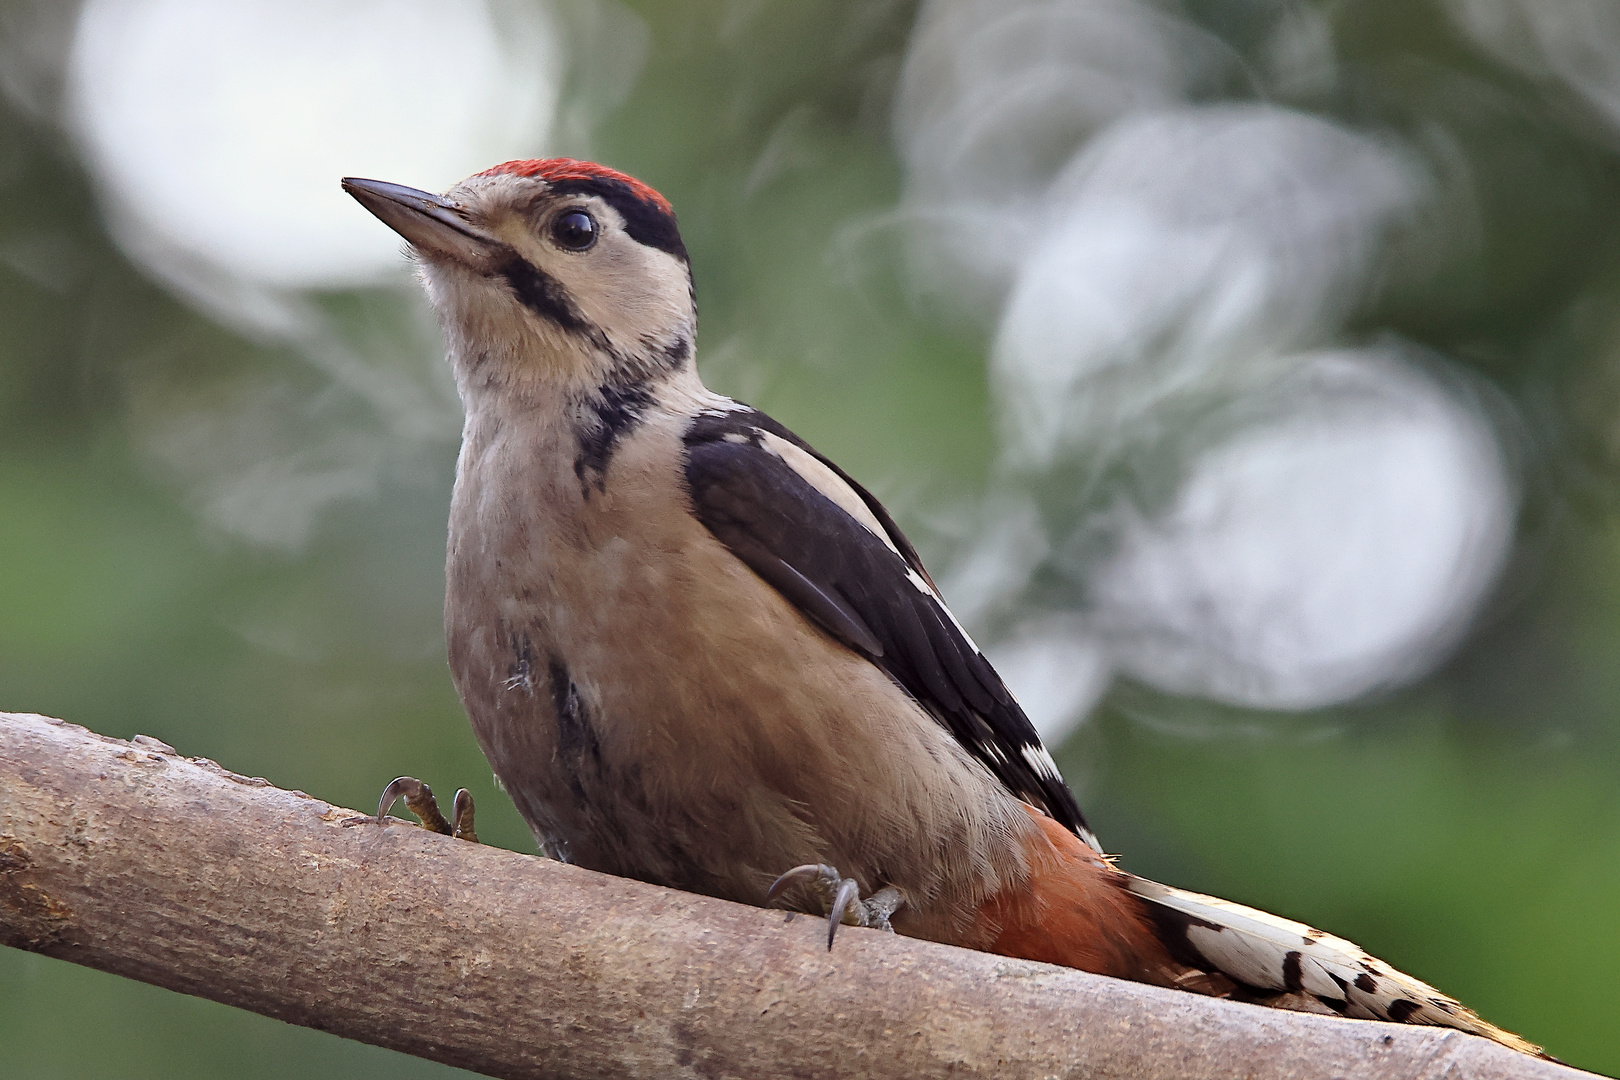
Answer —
(217, 133)
(1338, 546)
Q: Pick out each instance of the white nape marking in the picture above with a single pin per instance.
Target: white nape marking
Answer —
(1041, 761)
(828, 483)
(719, 405)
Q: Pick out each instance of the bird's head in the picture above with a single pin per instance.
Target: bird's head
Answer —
(554, 272)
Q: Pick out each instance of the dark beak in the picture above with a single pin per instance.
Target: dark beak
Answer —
(434, 225)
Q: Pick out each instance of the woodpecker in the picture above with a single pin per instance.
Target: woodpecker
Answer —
(697, 653)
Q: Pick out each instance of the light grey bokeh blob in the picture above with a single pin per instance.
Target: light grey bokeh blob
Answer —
(994, 99)
(216, 132)
(215, 136)
(1187, 251)
(1285, 522)
(1573, 42)
(1335, 544)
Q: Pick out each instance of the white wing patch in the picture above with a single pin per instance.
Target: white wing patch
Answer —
(832, 485)
(828, 483)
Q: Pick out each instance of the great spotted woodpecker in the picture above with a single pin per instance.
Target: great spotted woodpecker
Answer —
(697, 653)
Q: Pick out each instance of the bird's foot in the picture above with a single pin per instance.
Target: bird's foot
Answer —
(419, 800)
(840, 898)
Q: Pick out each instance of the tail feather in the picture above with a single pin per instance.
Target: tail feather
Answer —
(1277, 955)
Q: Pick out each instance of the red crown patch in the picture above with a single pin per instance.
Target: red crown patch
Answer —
(554, 169)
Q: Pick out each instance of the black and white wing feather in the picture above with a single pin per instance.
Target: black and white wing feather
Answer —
(830, 549)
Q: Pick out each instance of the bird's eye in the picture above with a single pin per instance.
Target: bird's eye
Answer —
(575, 230)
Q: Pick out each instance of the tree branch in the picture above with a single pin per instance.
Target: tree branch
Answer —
(132, 859)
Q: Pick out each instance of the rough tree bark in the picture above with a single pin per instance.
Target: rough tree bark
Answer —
(127, 857)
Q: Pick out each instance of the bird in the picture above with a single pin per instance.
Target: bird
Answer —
(697, 653)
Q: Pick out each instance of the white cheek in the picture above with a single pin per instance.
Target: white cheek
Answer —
(633, 293)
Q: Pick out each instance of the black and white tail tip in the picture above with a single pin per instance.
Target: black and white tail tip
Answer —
(1278, 956)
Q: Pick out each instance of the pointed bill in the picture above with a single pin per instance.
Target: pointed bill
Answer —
(432, 224)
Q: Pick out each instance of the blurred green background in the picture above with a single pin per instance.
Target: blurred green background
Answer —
(1465, 827)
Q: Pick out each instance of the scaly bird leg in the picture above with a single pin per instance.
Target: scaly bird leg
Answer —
(840, 898)
(419, 800)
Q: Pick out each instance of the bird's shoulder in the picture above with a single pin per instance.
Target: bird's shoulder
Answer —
(829, 547)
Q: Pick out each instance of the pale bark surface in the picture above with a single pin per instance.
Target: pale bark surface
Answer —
(130, 858)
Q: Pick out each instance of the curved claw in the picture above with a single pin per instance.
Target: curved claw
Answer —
(418, 800)
(843, 908)
(461, 816)
(809, 871)
(840, 898)
(392, 794)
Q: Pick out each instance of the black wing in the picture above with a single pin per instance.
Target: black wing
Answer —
(872, 595)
